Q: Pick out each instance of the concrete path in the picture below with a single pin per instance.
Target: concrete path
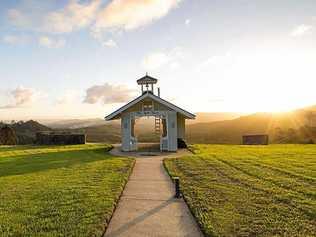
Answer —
(147, 207)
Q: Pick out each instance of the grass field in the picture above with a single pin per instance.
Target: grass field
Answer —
(250, 190)
(59, 190)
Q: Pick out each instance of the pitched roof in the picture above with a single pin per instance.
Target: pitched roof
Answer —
(147, 80)
(117, 112)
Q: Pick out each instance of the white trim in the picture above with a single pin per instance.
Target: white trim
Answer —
(172, 106)
(156, 98)
(128, 105)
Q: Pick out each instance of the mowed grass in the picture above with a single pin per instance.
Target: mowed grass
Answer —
(59, 190)
(250, 190)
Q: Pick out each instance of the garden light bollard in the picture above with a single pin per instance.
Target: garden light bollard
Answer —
(177, 187)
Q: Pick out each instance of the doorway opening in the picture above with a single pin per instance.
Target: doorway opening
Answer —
(147, 131)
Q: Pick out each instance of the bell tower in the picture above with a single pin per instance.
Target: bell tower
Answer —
(147, 84)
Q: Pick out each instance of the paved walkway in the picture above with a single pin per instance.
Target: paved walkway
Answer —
(147, 207)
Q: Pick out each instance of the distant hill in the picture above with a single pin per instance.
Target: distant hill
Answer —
(110, 133)
(84, 123)
(293, 127)
(26, 131)
(73, 123)
(98, 130)
(203, 117)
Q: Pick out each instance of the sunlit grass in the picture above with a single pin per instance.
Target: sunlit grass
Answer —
(250, 190)
(59, 190)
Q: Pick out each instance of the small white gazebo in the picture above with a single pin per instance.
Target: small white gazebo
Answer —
(169, 118)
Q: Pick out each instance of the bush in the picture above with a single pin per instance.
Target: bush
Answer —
(7, 136)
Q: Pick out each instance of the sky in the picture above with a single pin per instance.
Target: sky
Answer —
(81, 59)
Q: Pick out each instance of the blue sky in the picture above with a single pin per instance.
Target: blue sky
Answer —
(65, 59)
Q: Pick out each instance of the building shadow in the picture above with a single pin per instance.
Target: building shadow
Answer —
(139, 219)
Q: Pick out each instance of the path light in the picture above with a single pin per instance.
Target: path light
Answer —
(177, 187)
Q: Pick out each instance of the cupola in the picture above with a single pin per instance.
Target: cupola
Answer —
(147, 84)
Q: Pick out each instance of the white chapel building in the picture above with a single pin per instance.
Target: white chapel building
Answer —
(169, 118)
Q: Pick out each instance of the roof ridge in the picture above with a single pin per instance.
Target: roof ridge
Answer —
(152, 96)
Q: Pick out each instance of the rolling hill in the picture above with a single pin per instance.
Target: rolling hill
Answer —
(202, 117)
(292, 127)
(72, 123)
(298, 126)
(26, 131)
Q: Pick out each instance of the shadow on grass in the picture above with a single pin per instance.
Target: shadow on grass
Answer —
(30, 163)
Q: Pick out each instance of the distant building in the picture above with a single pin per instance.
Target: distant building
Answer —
(59, 138)
(258, 139)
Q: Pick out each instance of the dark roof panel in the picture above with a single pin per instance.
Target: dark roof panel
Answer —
(147, 80)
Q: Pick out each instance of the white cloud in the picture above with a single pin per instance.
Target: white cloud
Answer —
(20, 97)
(73, 16)
(157, 60)
(100, 18)
(51, 42)
(108, 94)
(301, 30)
(15, 39)
(131, 14)
(109, 43)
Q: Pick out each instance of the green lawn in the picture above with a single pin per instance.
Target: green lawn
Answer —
(59, 190)
(250, 190)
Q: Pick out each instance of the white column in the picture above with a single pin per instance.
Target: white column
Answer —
(172, 131)
(126, 132)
